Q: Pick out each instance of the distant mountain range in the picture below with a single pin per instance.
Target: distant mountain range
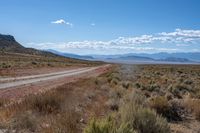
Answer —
(9, 44)
(162, 58)
(193, 56)
(70, 55)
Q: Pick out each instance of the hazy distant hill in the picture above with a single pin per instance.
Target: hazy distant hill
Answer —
(174, 57)
(195, 56)
(136, 58)
(70, 55)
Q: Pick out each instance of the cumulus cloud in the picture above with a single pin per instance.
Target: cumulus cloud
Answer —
(183, 33)
(182, 36)
(161, 42)
(96, 46)
(61, 21)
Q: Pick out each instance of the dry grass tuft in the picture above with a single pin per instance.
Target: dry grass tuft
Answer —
(193, 106)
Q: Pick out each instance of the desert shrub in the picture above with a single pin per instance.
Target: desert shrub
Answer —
(101, 126)
(96, 81)
(24, 121)
(5, 65)
(64, 122)
(113, 78)
(102, 80)
(50, 64)
(153, 87)
(109, 79)
(183, 88)
(143, 120)
(117, 93)
(115, 97)
(177, 110)
(125, 128)
(197, 94)
(105, 87)
(193, 106)
(3, 101)
(137, 85)
(113, 104)
(178, 90)
(45, 103)
(132, 118)
(162, 107)
(136, 98)
(179, 71)
(91, 94)
(172, 90)
(34, 63)
(126, 84)
(114, 81)
(169, 96)
(160, 104)
(188, 82)
(197, 112)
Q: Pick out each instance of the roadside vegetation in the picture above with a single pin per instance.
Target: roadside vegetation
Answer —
(126, 99)
(12, 62)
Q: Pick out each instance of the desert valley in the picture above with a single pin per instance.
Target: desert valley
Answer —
(99, 66)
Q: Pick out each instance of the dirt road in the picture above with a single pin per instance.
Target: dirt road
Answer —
(18, 81)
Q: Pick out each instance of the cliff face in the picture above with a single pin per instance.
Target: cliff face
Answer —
(7, 37)
(10, 45)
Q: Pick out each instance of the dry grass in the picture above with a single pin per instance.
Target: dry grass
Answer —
(63, 109)
(3, 102)
(11, 62)
(164, 88)
(45, 104)
(64, 122)
(132, 118)
(193, 106)
(126, 99)
(162, 106)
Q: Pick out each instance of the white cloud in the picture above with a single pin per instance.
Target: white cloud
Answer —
(185, 36)
(93, 24)
(97, 46)
(144, 39)
(61, 21)
(183, 33)
(160, 42)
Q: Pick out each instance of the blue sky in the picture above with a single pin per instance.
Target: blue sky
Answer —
(104, 26)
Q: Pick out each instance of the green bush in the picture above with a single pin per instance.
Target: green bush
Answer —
(130, 119)
(143, 120)
(101, 126)
(162, 107)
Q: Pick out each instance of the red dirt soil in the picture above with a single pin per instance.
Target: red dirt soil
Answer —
(17, 93)
(32, 71)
